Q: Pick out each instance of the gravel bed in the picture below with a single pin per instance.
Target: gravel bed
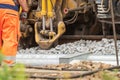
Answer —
(103, 47)
(83, 70)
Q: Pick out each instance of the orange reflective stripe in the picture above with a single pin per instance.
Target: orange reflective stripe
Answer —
(10, 58)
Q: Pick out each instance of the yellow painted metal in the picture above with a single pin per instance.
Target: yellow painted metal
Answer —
(71, 4)
(52, 34)
(37, 37)
(38, 14)
(45, 44)
(44, 8)
(53, 2)
(20, 10)
(47, 10)
(50, 5)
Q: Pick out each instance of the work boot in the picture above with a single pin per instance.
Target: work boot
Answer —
(8, 63)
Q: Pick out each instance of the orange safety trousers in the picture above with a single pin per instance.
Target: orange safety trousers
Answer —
(9, 32)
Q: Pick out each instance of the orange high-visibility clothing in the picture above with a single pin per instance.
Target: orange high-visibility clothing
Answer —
(9, 29)
(7, 2)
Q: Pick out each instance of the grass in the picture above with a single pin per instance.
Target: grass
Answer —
(17, 72)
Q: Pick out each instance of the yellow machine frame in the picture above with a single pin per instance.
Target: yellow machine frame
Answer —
(48, 12)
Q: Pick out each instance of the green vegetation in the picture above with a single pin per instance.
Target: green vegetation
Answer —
(17, 72)
(109, 75)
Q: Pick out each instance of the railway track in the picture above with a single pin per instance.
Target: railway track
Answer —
(62, 71)
(65, 53)
(72, 38)
(79, 71)
(58, 67)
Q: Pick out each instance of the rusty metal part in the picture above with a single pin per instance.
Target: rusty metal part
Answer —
(114, 31)
(80, 8)
(113, 22)
(26, 30)
(72, 38)
(47, 43)
(109, 22)
(88, 37)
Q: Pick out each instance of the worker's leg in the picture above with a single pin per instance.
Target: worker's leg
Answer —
(0, 37)
(1, 23)
(9, 35)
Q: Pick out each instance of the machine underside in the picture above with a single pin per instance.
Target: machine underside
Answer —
(48, 20)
